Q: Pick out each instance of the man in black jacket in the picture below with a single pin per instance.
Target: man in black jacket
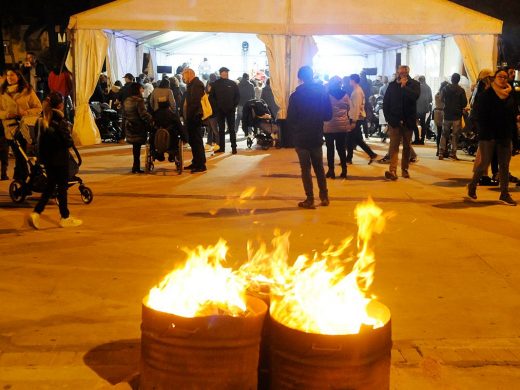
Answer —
(309, 107)
(36, 74)
(400, 109)
(227, 96)
(192, 113)
(455, 101)
(247, 92)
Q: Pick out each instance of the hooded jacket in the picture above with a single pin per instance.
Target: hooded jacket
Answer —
(309, 107)
(400, 103)
(340, 122)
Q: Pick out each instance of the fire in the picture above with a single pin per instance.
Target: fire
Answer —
(202, 287)
(326, 293)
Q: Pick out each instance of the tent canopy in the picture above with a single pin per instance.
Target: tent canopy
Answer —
(301, 17)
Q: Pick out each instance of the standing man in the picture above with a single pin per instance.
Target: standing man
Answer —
(192, 113)
(36, 75)
(357, 117)
(400, 109)
(424, 107)
(227, 96)
(247, 92)
(309, 107)
(455, 101)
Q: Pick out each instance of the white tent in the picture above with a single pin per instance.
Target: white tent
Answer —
(286, 27)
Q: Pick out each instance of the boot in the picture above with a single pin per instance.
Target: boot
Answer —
(330, 173)
(343, 174)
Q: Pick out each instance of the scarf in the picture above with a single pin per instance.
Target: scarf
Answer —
(502, 93)
(12, 89)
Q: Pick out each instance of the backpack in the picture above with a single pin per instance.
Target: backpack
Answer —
(207, 111)
(162, 140)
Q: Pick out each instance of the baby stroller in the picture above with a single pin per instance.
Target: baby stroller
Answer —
(266, 131)
(107, 121)
(37, 179)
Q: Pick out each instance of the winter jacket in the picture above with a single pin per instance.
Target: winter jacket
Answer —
(340, 122)
(192, 106)
(496, 118)
(246, 90)
(357, 104)
(400, 103)
(137, 120)
(455, 100)
(168, 119)
(124, 92)
(268, 97)
(226, 94)
(309, 106)
(61, 83)
(425, 99)
(16, 104)
(55, 141)
(162, 94)
(438, 112)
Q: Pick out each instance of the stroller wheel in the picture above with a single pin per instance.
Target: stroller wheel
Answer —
(16, 191)
(86, 194)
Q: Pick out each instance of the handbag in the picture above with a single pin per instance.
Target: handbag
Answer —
(207, 111)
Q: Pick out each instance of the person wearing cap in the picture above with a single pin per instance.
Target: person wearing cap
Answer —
(124, 91)
(192, 113)
(227, 96)
(309, 106)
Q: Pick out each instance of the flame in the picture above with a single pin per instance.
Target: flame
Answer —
(202, 287)
(326, 293)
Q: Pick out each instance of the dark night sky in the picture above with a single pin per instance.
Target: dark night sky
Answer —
(57, 12)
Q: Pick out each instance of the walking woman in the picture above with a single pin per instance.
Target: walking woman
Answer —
(19, 109)
(138, 121)
(336, 129)
(497, 114)
(54, 143)
(438, 114)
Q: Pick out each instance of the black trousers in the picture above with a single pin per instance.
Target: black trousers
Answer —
(355, 138)
(136, 151)
(228, 117)
(339, 140)
(57, 180)
(196, 142)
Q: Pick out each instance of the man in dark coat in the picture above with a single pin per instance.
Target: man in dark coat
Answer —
(400, 109)
(247, 92)
(455, 101)
(424, 107)
(309, 107)
(192, 113)
(227, 96)
(36, 74)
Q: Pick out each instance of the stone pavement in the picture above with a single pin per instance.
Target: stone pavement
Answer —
(449, 270)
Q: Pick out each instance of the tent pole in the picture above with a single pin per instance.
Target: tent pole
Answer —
(442, 57)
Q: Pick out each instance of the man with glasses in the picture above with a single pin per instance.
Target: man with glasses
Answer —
(400, 109)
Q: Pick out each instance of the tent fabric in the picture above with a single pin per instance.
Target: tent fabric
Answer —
(291, 17)
(112, 59)
(478, 52)
(139, 52)
(91, 45)
(126, 55)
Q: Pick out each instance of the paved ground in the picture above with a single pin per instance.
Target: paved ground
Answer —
(449, 270)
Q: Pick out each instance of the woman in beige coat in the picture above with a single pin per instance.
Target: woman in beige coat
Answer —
(19, 109)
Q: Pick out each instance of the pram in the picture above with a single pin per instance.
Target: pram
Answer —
(108, 122)
(266, 131)
(160, 141)
(37, 178)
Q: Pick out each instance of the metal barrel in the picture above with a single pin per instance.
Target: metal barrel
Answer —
(201, 353)
(300, 360)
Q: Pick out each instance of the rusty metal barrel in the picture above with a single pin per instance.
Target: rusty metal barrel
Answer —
(300, 360)
(201, 353)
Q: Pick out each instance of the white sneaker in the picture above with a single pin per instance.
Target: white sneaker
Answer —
(34, 220)
(208, 148)
(70, 222)
(216, 147)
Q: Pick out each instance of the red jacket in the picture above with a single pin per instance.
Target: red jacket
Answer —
(61, 83)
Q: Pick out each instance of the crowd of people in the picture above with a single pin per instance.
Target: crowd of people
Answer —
(337, 112)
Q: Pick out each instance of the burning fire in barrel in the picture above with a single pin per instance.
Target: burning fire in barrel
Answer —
(199, 330)
(324, 329)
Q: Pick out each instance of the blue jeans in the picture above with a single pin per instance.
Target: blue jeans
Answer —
(312, 157)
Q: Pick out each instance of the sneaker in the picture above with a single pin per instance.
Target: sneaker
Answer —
(485, 181)
(507, 200)
(405, 174)
(372, 159)
(70, 222)
(34, 220)
(472, 192)
(216, 147)
(208, 148)
(307, 204)
(384, 160)
(389, 175)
